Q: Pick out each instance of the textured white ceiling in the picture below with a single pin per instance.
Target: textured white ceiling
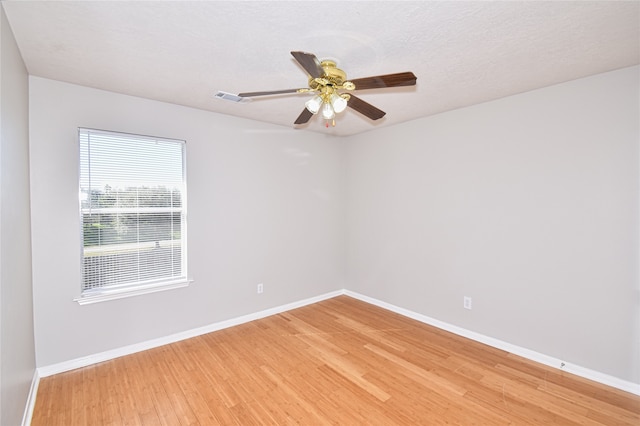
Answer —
(463, 53)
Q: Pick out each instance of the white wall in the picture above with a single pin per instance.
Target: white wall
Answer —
(17, 352)
(528, 204)
(266, 204)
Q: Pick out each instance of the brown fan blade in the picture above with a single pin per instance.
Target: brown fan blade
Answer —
(365, 108)
(389, 80)
(304, 116)
(272, 92)
(310, 63)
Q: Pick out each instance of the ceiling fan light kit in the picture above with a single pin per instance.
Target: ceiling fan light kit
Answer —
(327, 111)
(326, 81)
(314, 104)
(339, 102)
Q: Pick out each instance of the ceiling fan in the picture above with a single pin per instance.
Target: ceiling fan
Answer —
(328, 82)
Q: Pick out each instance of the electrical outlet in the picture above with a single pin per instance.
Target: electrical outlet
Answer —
(467, 302)
(260, 288)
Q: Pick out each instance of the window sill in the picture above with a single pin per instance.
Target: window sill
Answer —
(130, 292)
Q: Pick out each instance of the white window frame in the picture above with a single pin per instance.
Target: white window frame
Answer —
(118, 291)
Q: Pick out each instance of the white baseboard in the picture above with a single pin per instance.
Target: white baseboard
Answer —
(31, 399)
(586, 373)
(150, 344)
(516, 350)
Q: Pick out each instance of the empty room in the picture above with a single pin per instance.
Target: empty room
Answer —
(301, 212)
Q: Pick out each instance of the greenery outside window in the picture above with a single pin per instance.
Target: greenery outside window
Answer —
(132, 213)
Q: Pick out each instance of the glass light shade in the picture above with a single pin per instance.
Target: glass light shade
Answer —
(314, 104)
(327, 111)
(338, 103)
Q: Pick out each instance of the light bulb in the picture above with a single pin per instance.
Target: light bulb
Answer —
(314, 104)
(338, 103)
(327, 111)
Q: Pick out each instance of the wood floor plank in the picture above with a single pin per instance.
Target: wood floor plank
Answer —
(107, 374)
(92, 397)
(337, 362)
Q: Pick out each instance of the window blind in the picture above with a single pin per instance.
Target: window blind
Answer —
(132, 210)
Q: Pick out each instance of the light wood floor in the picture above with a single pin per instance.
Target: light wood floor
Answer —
(340, 361)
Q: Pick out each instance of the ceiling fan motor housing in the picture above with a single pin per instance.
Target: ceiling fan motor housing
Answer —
(333, 75)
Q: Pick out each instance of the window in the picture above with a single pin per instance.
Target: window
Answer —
(132, 212)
